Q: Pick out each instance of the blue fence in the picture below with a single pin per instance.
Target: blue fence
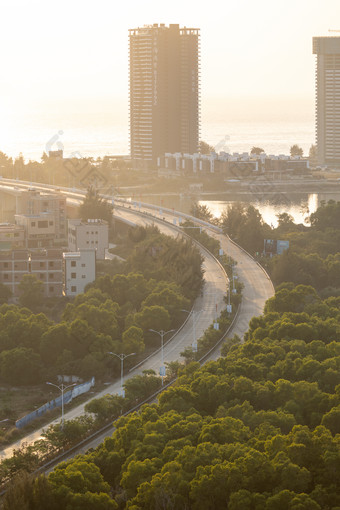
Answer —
(52, 404)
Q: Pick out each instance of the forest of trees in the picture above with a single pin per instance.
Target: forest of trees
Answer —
(257, 429)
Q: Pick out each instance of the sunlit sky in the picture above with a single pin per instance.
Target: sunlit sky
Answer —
(72, 55)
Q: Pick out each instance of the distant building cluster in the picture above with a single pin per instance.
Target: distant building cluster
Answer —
(231, 166)
(59, 252)
(165, 98)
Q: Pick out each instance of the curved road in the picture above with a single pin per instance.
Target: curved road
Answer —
(257, 289)
(208, 307)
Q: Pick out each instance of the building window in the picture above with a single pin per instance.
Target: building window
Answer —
(73, 263)
(51, 289)
(5, 276)
(83, 265)
(42, 224)
(83, 276)
(73, 275)
(51, 276)
(51, 263)
(87, 242)
(50, 223)
(5, 264)
(32, 223)
(41, 276)
(73, 288)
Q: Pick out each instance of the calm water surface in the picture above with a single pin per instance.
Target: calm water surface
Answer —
(299, 205)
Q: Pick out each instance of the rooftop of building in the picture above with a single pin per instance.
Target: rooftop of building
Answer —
(76, 254)
(36, 216)
(42, 195)
(10, 227)
(236, 156)
(161, 26)
(90, 222)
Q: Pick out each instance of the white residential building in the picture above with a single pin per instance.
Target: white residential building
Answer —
(79, 270)
(91, 234)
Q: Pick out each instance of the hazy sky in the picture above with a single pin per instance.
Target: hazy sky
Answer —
(73, 53)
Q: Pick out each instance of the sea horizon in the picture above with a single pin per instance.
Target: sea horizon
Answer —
(99, 135)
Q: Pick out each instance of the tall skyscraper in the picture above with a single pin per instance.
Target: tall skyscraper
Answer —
(164, 92)
(327, 50)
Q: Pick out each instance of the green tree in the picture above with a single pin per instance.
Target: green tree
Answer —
(95, 207)
(20, 366)
(205, 148)
(331, 420)
(313, 153)
(53, 342)
(107, 407)
(153, 317)
(133, 340)
(31, 292)
(5, 293)
(295, 150)
(256, 150)
(201, 211)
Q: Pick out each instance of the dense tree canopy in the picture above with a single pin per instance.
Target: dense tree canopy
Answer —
(257, 429)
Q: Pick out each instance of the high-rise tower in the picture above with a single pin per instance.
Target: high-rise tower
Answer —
(327, 50)
(164, 92)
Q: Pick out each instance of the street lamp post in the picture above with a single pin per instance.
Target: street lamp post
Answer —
(162, 334)
(62, 388)
(122, 357)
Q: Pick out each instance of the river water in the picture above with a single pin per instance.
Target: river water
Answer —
(298, 205)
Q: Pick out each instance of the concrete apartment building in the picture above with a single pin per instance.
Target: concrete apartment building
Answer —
(46, 265)
(35, 203)
(12, 236)
(164, 92)
(92, 234)
(79, 270)
(40, 229)
(327, 50)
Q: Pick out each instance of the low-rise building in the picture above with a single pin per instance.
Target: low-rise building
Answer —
(79, 269)
(12, 236)
(40, 229)
(33, 202)
(46, 265)
(90, 234)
